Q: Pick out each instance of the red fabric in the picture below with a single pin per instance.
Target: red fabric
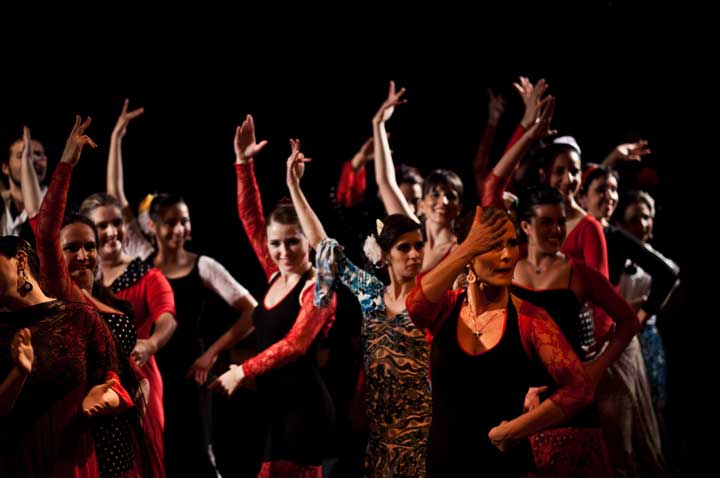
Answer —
(517, 134)
(586, 243)
(351, 186)
(538, 332)
(310, 321)
(605, 298)
(74, 351)
(53, 270)
(571, 452)
(251, 215)
(288, 469)
(151, 297)
(493, 189)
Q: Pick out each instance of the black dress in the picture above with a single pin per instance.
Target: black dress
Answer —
(471, 395)
(297, 406)
(187, 404)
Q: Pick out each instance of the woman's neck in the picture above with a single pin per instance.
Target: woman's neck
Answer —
(295, 274)
(487, 297)
(539, 258)
(117, 260)
(399, 288)
(438, 233)
(167, 256)
(573, 208)
(16, 301)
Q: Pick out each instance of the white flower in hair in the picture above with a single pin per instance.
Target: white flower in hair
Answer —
(372, 250)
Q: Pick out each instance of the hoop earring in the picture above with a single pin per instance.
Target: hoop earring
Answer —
(25, 286)
(470, 277)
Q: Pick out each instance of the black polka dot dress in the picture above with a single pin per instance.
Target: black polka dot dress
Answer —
(113, 433)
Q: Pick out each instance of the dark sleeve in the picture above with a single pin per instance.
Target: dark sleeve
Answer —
(623, 246)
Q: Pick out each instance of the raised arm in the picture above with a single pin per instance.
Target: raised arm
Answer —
(428, 301)
(481, 162)
(392, 197)
(115, 178)
(32, 196)
(249, 203)
(295, 168)
(56, 278)
(627, 152)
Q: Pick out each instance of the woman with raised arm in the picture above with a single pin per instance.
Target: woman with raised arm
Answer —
(64, 367)
(68, 256)
(298, 408)
(442, 189)
(184, 362)
(135, 281)
(486, 345)
(395, 352)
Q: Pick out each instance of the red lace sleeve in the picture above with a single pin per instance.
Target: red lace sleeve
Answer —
(158, 294)
(542, 335)
(351, 186)
(55, 276)
(310, 321)
(493, 190)
(426, 314)
(251, 215)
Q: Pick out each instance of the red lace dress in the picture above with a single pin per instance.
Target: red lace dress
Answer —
(300, 413)
(46, 433)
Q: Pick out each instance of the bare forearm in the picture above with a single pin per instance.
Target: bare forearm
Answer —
(115, 177)
(546, 415)
(10, 390)
(32, 196)
(392, 197)
(164, 329)
(311, 225)
(440, 279)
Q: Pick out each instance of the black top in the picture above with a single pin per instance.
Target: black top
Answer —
(471, 395)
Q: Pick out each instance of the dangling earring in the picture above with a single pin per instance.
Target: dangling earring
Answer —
(470, 277)
(25, 286)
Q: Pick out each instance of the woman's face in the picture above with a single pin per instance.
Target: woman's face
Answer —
(496, 267)
(638, 221)
(546, 229)
(288, 247)
(173, 228)
(80, 253)
(602, 197)
(441, 205)
(565, 173)
(111, 230)
(406, 255)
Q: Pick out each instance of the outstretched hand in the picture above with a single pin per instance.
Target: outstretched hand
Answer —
(628, 152)
(101, 399)
(125, 118)
(76, 142)
(228, 382)
(532, 96)
(388, 107)
(22, 351)
(540, 128)
(295, 164)
(246, 146)
(200, 368)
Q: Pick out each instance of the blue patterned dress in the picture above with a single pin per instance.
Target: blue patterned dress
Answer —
(396, 356)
